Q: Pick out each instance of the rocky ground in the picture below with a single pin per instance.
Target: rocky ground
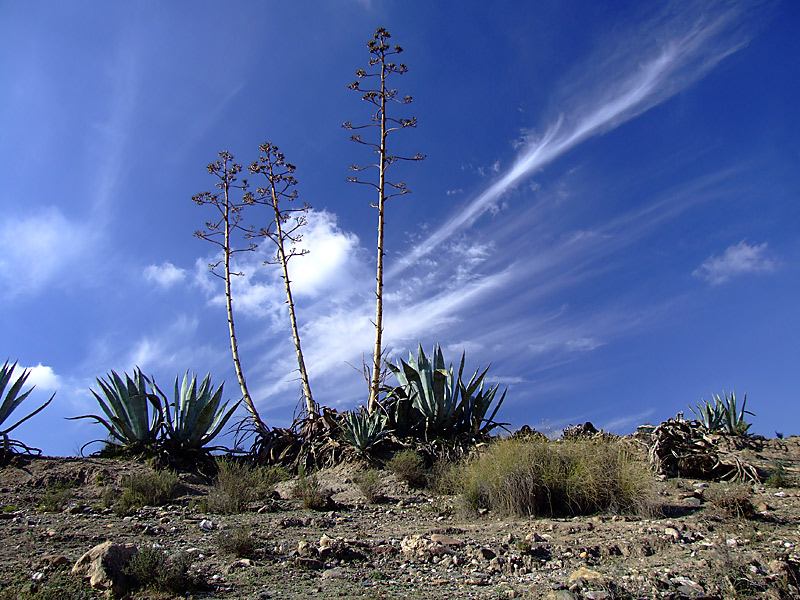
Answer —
(414, 544)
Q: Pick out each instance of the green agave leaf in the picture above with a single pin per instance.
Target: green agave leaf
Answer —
(12, 400)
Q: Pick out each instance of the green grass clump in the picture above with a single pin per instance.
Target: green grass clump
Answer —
(409, 466)
(238, 483)
(535, 477)
(154, 488)
(369, 484)
(154, 569)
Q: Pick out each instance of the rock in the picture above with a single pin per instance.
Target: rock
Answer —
(688, 588)
(487, 553)
(242, 563)
(307, 563)
(778, 567)
(588, 577)
(206, 525)
(104, 566)
(55, 560)
(597, 595)
(445, 540)
(673, 533)
(560, 595)
(305, 549)
(335, 573)
(420, 547)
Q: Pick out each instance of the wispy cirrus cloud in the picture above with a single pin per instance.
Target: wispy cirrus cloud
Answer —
(739, 259)
(668, 53)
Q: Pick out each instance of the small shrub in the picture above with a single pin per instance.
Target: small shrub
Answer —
(731, 500)
(56, 497)
(779, 478)
(543, 478)
(409, 466)
(237, 484)
(445, 477)
(311, 493)
(236, 541)
(147, 489)
(154, 569)
(731, 574)
(369, 484)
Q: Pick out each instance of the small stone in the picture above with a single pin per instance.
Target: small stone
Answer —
(693, 502)
(596, 595)
(445, 540)
(560, 595)
(673, 533)
(241, 564)
(305, 549)
(206, 525)
(732, 542)
(487, 553)
(55, 560)
(762, 507)
(325, 543)
(335, 573)
(589, 577)
(307, 563)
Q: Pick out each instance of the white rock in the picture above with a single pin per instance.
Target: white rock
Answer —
(206, 525)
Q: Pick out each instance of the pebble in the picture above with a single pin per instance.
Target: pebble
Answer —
(206, 525)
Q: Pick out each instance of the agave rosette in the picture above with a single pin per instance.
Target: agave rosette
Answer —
(127, 404)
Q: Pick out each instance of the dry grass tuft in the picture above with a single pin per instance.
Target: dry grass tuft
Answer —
(237, 484)
(535, 477)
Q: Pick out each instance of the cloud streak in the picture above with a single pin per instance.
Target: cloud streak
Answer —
(677, 52)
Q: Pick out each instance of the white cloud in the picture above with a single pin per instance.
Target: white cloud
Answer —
(165, 275)
(41, 376)
(331, 261)
(333, 268)
(736, 260)
(657, 61)
(35, 250)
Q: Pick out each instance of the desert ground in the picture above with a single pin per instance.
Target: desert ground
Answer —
(411, 543)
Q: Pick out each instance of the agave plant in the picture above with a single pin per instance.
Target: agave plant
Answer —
(432, 395)
(130, 423)
(11, 401)
(196, 417)
(363, 430)
(431, 388)
(477, 403)
(723, 416)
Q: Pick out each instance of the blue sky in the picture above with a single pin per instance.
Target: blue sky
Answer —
(607, 213)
